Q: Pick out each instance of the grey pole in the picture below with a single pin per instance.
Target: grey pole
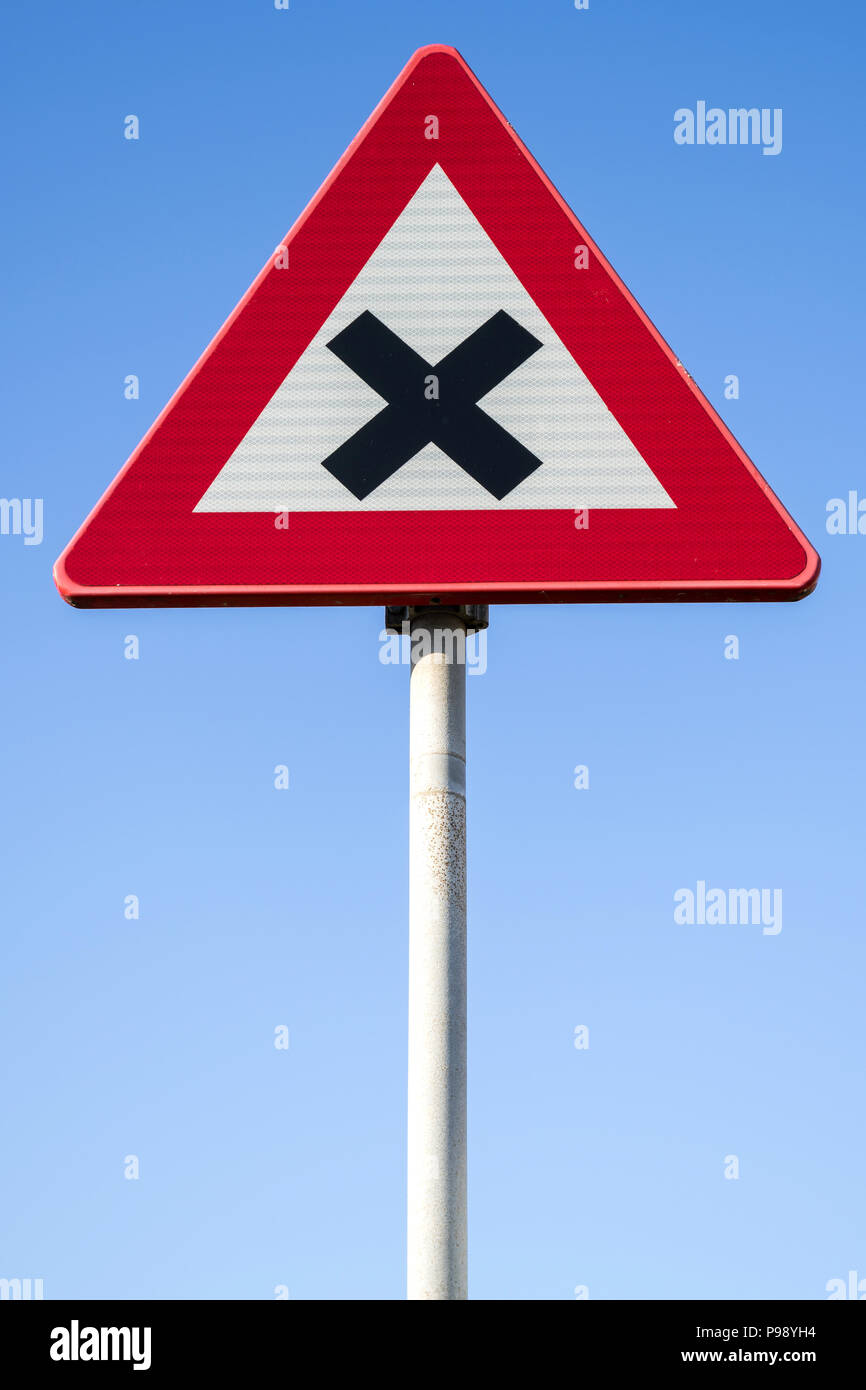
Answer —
(436, 1231)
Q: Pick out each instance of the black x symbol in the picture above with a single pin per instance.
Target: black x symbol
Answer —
(461, 429)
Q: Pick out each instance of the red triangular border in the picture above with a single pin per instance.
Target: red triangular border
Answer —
(729, 537)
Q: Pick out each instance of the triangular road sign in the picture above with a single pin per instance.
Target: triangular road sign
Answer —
(437, 389)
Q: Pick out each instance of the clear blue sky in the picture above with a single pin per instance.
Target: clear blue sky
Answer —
(262, 907)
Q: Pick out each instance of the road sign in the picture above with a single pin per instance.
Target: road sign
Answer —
(437, 390)
(435, 394)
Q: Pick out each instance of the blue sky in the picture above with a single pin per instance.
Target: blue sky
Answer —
(154, 777)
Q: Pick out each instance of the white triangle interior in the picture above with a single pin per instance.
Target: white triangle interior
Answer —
(433, 280)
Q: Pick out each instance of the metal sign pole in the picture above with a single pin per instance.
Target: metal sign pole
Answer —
(436, 1229)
